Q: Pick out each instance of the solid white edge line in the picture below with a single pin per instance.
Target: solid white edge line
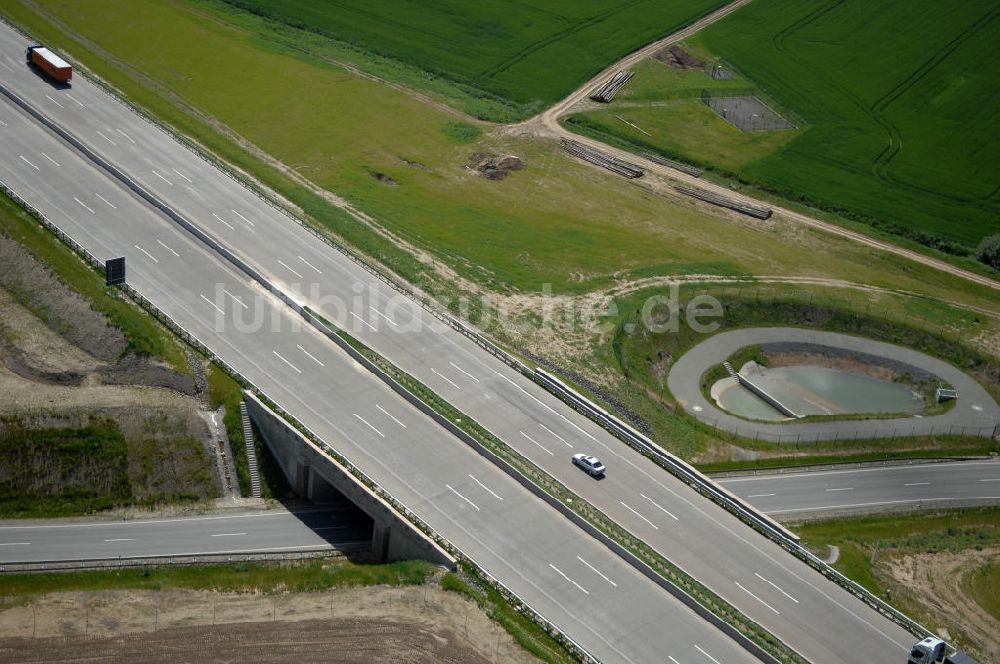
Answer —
(875, 504)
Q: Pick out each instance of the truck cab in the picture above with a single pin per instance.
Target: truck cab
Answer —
(928, 651)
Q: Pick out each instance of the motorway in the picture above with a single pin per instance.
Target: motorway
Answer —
(975, 412)
(245, 532)
(529, 547)
(577, 583)
(785, 495)
(856, 490)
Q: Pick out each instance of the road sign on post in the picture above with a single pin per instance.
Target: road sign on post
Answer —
(114, 271)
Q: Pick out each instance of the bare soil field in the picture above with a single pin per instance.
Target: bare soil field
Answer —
(936, 580)
(372, 624)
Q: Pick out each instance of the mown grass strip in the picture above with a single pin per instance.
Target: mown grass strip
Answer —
(230, 577)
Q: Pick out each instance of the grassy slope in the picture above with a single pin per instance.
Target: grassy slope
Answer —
(869, 81)
(858, 538)
(144, 333)
(984, 585)
(541, 225)
(532, 54)
(643, 356)
(246, 577)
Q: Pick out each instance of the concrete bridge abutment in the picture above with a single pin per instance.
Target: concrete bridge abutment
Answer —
(316, 476)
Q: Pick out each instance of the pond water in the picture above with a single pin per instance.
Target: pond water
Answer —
(810, 390)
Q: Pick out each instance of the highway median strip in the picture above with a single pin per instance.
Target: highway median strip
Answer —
(632, 549)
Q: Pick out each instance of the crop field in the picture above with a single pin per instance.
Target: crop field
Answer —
(530, 53)
(557, 222)
(899, 103)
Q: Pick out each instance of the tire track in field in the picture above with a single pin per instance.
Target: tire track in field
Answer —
(546, 124)
(559, 36)
(883, 160)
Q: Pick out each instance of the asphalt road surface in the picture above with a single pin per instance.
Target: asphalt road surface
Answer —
(974, 413)
(594, 596)
(577, 583)
(248, 532)
(933, 485)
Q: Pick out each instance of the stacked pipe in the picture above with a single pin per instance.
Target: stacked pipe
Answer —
(607, 92)
(722, 201)
(676, 165)
(602, 159)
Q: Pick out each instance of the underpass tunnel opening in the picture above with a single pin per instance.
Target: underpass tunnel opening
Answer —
(331, 514)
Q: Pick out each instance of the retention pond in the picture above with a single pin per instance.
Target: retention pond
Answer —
(814, 390)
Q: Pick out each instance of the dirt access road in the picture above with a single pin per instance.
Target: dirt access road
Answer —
(547, 124)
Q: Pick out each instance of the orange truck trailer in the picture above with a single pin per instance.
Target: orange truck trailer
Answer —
(55, 67)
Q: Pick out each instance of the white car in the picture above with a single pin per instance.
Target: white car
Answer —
(592, 465)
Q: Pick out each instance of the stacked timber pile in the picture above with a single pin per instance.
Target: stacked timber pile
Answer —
(607, 92)
(676, 165)
(602, 159)
(722, 201)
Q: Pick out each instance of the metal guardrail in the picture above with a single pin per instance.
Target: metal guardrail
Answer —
(705, 486)
(623, 431)
(551, 628)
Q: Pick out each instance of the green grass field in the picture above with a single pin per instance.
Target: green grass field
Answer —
(984, 585)
(558, 222)
(898, 104)
(530, 53)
